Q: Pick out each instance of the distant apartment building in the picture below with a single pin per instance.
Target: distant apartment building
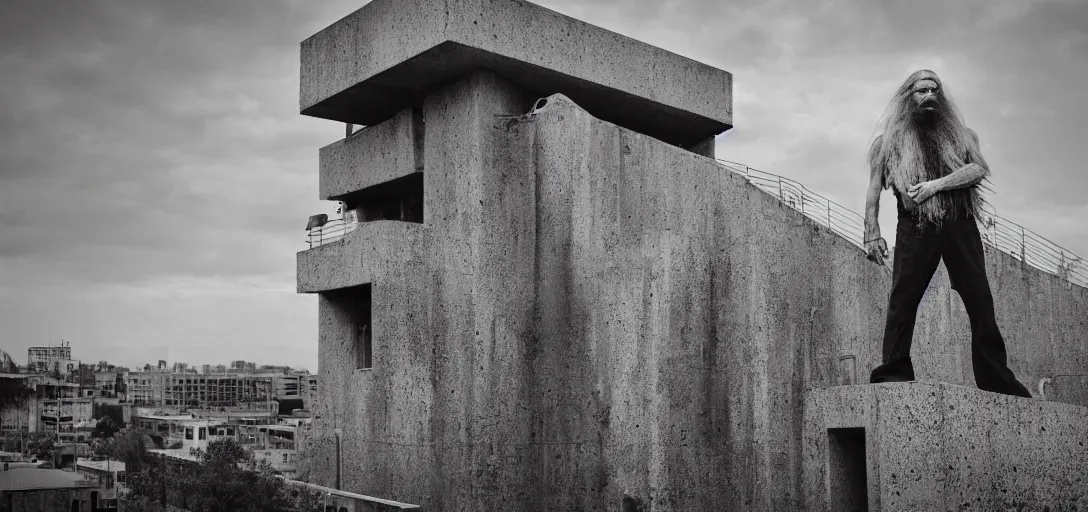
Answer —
(53, 406)
(146, 387)
(50, 358)
(63, 414)
(107, 384)
(196, 390)
(243, 366)
(274, 444)
(311, 395)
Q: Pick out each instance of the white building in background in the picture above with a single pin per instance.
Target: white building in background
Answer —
(50, 358)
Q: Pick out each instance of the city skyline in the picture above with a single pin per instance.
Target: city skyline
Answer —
(155, 174)
(22, 359)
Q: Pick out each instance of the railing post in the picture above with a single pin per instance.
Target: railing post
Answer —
(1023, 245)
(829, 214)
(780, 196)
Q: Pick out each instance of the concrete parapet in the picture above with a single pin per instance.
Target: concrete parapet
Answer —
(935, 446)
(363, 256)
(372, 156)
(384, 57)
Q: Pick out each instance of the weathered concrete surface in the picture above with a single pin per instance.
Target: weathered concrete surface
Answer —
(363, 256)
(934, 446)
(589, 314)
(384, 57)
(373, 155)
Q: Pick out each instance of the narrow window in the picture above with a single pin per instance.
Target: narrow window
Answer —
(349, 327)
(364, 349)
(847, 469)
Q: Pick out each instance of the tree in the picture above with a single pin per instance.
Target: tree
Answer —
(224, 478)
(105, 428)
(42, 446)
(129, 447)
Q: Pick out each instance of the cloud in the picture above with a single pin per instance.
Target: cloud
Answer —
(155, 173)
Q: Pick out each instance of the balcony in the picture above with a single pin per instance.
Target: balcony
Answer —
(321, 231)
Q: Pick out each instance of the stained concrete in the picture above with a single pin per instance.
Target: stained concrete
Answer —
(387, 55)
(372, 156)
(590, 316)
(589, 313)
(936, 446)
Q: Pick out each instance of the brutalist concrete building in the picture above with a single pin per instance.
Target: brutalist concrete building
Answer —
(556, 299)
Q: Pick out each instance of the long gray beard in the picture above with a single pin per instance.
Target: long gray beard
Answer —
(933, 157)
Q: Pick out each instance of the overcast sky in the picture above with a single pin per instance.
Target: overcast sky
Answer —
(156, 177)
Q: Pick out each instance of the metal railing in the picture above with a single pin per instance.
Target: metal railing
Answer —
(331, 231)
(997, 232)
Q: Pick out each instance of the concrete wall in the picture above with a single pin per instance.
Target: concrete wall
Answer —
(589, 315)
(933, 446)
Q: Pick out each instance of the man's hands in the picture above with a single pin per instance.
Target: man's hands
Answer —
(920, 192)
(876, 250)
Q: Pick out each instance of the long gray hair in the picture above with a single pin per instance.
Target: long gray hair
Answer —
(900, 150)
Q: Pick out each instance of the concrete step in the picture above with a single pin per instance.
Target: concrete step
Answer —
(936, 446)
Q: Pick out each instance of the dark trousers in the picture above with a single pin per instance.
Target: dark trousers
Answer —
(918, 250)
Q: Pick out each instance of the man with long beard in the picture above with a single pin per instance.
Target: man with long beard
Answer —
(932, 162)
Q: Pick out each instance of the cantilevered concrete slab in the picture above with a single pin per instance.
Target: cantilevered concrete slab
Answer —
(936, 446)
(382, 58)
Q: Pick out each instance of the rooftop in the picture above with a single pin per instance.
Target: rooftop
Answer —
(180, 453)
(101, 465)
(187, 417)
(380, 59)
(28, 479)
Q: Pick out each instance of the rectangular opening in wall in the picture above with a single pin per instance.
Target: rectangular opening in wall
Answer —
(846, 468)
(364, 355)
(350, 326)
(400, 199)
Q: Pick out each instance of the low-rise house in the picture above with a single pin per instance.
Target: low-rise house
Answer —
(36, 490)
(108, 474)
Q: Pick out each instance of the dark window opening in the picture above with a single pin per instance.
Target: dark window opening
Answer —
(352, 315)
(400, 199)
(847, 469)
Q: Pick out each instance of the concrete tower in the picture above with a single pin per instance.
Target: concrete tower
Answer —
(556, 299)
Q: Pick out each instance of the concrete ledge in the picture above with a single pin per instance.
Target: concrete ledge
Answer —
(362, 256)
(374, 155)
(382, 58)
(935, 446)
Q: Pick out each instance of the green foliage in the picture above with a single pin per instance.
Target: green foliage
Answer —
(105, 428)
(41, 446)
(225, 478)
(129, 447)
(115, 413)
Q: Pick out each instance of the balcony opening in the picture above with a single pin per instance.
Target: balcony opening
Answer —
(846, 468)
(400, 200)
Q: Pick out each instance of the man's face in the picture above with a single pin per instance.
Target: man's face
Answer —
(925, 94)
